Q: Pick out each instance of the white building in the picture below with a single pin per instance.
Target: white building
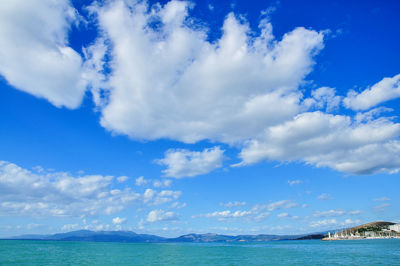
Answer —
(395, 227)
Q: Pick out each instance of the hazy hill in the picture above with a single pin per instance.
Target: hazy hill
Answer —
(99, 236)
(374, 226)
(129, 236)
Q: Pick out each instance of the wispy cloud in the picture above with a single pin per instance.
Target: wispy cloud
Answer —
(381, 207)
(283, 204)
(335, 213)
(325, 196)
(233, 204)
(382, 199)
(294, 182)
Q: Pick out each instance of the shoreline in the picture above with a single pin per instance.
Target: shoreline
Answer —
(358, 238)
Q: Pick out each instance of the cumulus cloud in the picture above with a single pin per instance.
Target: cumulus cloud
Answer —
(152, 197)
(59, 194)
(160, 215)
(23, 192)
(323, 97)
(185, 163)
(122, 179)
(162, 183)
(171, 82)
(141, 181)
(384, 90)
(119, 220)
(34, 51)
(154, 74)
(330, 140)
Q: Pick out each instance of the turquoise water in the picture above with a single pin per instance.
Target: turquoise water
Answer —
(306, 252)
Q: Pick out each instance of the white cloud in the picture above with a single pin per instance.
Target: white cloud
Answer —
(333, 223)
(118, 220)
(256, 213)
(152, 197)
(165, 196)
(282, 204)
(286, 215)
(160, 215)
(351, 222)
(228, 214)
(98, 227)
(222, 104)
(283, 215)
(70, 227)
(335, 213)
(233, 204)
(323, 97)
(170, 82)
(325, 196)
(382, 199)
(23, 192)
(140, 181)
(184, 163)
(384, 90)
(330, 213)
(162, 183)
(330, 140)
(355, 212)
(176, 205)
(149, 194)
(262, 216)
(44, 194)
(371, 114)
(382, 207)
(324, 223)
(34, 51)
(294, 182)
(122, 179)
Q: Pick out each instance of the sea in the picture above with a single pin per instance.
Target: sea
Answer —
(291, 252)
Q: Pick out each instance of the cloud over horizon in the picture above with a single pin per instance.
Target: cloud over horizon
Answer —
(60, 194)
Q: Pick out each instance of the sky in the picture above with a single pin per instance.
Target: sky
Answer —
(175, 117)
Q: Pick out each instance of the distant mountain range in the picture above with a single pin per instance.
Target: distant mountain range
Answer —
(131, 237)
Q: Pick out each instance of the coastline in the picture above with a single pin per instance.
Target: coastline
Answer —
(358, 238)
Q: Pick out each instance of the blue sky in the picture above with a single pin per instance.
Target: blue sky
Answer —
(174, 117)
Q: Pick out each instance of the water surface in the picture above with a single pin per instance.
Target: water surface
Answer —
(304, 252)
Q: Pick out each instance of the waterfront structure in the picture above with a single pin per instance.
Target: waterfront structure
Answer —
(395, 227)
(367, 231)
